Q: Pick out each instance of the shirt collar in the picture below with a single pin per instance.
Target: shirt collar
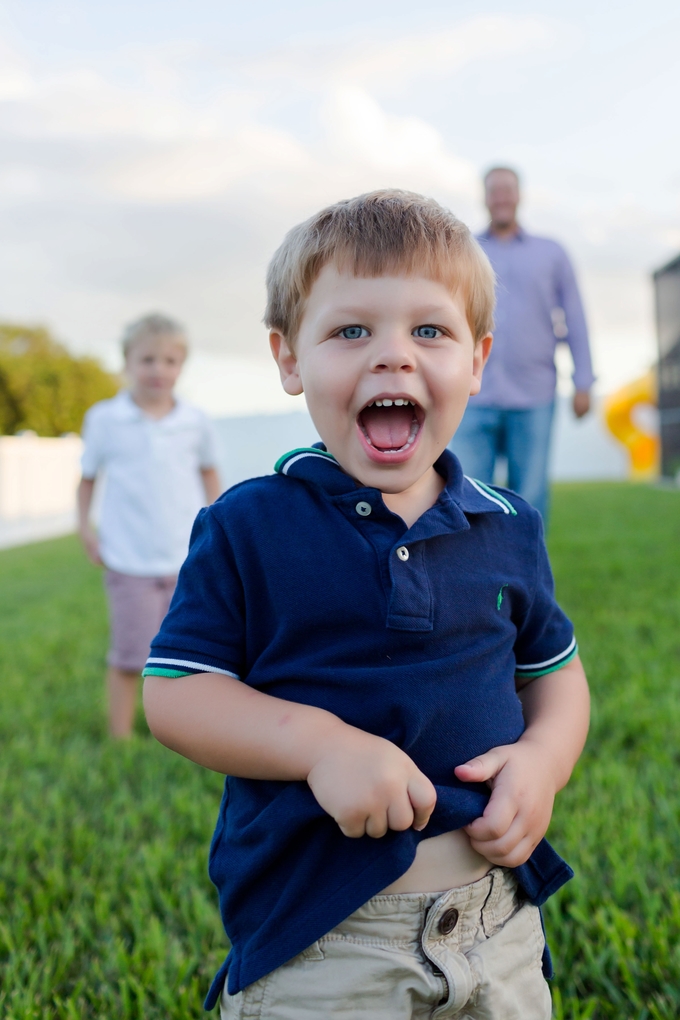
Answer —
(487, 235)
(314, 465)
(128, 410)
(126, 407)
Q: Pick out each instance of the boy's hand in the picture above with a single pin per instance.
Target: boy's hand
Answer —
(368, 785)
(519, 810)
(91, 545)
(524, 777)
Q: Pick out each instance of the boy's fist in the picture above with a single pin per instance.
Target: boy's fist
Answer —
(519, 809)
(368, 785)
(91, 545)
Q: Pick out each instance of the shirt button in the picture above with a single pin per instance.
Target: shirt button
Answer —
(363, 509)
(448, 921)
(403, 553)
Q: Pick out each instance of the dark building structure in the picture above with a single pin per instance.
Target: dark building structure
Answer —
(667, 288)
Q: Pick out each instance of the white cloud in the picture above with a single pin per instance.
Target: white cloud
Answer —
(390, 65)
(15, 79)
(405, 148)
(163, 178)
(83, 104)
(159, 143)
(205, 168)
(363, 146)
(443, 53)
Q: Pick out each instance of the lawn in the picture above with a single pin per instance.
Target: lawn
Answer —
(105, 907)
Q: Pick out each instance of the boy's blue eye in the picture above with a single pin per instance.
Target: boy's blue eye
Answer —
(427, 332)
(353, 333)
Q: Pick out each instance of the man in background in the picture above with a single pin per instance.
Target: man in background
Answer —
(538, 304)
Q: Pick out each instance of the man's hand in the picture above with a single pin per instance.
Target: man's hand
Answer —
(91, 545)
(519, 810)
(368, 785)
(581, 403)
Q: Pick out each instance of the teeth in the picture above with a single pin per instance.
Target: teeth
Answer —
(387, 402)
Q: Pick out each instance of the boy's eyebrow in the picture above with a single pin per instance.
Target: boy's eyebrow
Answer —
(426, 311)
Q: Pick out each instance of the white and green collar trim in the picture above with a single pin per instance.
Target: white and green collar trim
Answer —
(285, 462)
(492, 495)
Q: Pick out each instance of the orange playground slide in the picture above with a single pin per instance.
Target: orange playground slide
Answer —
(642, 447)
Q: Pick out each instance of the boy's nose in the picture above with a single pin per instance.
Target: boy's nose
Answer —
(394, 354)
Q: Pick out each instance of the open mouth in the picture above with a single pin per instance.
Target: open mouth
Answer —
(391, 424)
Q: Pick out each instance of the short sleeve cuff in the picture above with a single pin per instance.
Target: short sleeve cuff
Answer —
(529, 671)
(89, 464)
(165, 671)
(209, 454)
(161, 666)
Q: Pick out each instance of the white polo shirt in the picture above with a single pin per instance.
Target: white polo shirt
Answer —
(153, 487)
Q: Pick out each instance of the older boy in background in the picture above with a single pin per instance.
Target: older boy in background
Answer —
(158, 455)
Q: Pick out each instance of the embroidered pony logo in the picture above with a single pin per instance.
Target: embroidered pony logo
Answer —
(499, 600)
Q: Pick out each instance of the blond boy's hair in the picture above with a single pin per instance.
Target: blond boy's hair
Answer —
(380, 233)
(154, 325)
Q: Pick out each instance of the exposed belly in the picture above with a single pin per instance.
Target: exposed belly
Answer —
(441, 863)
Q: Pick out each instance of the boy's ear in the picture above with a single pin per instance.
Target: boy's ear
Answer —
(287, 362)
(479, 360)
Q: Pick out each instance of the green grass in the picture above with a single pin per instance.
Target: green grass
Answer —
(615, 930)
(105, 907)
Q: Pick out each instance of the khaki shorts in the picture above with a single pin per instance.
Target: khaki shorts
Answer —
(473, 953)
(137, 606)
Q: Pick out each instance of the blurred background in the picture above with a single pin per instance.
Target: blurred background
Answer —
(153, 154)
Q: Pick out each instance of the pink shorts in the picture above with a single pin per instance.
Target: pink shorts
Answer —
(137, 606)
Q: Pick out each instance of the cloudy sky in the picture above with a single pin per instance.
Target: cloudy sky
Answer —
(153, 153)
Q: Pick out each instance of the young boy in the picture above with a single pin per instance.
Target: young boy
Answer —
(158, 456)
(365, 643)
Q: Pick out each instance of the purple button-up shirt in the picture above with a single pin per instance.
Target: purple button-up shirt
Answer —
(537, 304)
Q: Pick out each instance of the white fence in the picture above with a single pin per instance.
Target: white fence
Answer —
(38, 480)
(38, 477)
(582, 450)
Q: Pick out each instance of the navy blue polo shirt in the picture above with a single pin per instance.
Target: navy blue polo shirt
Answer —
(304, 585)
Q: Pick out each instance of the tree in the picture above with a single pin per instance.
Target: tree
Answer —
(42, 386)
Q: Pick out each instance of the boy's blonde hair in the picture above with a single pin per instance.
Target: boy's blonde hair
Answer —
(380, 233)
(154, 325)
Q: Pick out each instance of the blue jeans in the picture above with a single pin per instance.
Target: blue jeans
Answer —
(523, 436)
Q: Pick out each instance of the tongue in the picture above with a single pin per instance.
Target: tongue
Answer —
(388, 428)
